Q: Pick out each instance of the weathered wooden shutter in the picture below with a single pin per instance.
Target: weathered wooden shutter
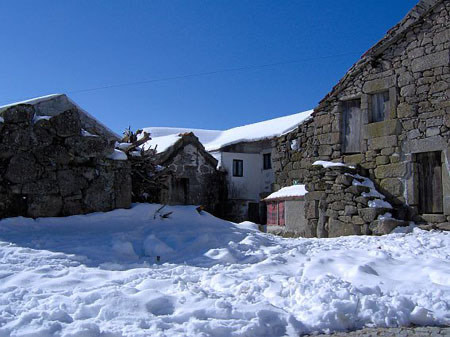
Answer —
(430, 182)
(352, 125)
(281, 218)
(271, 214)
(379, 106)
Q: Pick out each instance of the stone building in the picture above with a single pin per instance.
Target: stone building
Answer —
(193, 175)
(389, 116)
(56, 160)
(244, 156)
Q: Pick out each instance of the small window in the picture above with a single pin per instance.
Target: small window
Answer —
(380, 106)
(267, 161)
(238, 168)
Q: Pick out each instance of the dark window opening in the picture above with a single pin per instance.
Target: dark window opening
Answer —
(352, 125)
(429, 176)
(267, 161)
(238, 168)
(379, 107)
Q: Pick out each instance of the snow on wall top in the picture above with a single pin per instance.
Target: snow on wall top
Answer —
(214, 140)
(54, 104)
(288, 192)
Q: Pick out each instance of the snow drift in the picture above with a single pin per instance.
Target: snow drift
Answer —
(98, 275)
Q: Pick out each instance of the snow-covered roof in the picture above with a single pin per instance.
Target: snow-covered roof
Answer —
(214, 140)
(289, 192)
(53, 105)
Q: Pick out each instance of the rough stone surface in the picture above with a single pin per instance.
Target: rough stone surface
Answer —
(48, 168)
(428, 331)
(411, 65)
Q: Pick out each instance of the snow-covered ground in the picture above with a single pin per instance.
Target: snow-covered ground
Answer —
(97, 275)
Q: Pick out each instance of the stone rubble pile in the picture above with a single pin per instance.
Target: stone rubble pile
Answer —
(341, 202)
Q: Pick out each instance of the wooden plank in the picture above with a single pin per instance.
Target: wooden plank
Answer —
(352, 126)
(430, 182)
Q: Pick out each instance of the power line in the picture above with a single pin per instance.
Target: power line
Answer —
(226, 70)
(200, 74)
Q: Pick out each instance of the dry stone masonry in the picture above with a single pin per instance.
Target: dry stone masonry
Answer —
(390, 117)
(342, 202)
(51, 166)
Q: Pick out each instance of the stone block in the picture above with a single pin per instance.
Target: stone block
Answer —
(311, 209)
(122, 188)
(405, 79)
(436, 143)
(357, 220)
(434, 218)
(408, 90)
(53, 155)
(382, 160)
(445, 226)
(315, 195)
(384, 128)
(70, 183)
(441, 37)
(325, 150)
(393, 186)
(350, 210)
(370, 214)
(338, 228)
(88, 147)
(42, 186)
(413, 134)
(385, 226)
(44, 205)
(354, 159)
(337, 205)
(67, 124)
(431, 132)
(344, 180)
(379, 84)
(430, 61)
(438, 87)
(382, 142)
(98, 196)
(357, 189)
(22, 168)
(397, 170)
(22, 113)
(405, 110)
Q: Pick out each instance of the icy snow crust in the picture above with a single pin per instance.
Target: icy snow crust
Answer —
(96, 275)
(214, 140)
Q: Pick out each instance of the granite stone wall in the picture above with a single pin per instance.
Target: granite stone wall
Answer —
(50, 166)
(412, 65)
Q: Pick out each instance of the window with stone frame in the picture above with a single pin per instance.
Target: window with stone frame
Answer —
(379, 107)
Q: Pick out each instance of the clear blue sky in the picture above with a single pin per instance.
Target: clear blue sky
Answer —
(66, 46)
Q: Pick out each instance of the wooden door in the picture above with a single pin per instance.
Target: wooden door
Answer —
(352, 125)
(429, 167)
(180, 191)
